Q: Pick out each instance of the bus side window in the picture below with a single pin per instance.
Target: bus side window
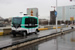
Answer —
(26, 21)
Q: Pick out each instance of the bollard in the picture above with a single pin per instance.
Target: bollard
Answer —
(72, 27)
(62, 34)
(61, 30)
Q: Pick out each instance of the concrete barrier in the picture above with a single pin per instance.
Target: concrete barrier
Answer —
(49, 27)
(1, 32)
(4, 31)
(43, 29)
(55, 27)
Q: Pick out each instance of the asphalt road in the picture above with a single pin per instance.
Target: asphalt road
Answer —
(62, 43)
(9, 40)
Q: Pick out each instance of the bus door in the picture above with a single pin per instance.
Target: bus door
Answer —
(27, 24)
(31, 25)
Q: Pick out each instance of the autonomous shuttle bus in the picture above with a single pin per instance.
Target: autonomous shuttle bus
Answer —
(24, 25)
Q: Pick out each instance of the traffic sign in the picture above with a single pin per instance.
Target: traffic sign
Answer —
(55, 13)
(71, 18)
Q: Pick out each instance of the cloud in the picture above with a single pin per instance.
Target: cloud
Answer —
(5, 2)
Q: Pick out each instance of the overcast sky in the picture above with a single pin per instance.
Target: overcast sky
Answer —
(10, 8)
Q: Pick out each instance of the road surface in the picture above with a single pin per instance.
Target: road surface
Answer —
(9, 40)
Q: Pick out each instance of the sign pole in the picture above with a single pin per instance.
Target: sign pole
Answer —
(56, 29)
(56, 16)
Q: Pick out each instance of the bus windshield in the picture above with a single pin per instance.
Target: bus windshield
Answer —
(17, 20)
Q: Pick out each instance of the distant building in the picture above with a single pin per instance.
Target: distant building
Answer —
(52, 17)
(1, 18)
(10, 18)
(65, 12)
(43, 21)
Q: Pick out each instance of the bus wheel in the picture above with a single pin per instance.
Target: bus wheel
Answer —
(14, 34)
(24, 34)
(36, 32)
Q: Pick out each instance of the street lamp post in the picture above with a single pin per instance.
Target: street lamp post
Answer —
(56, 16)
(56, 28)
